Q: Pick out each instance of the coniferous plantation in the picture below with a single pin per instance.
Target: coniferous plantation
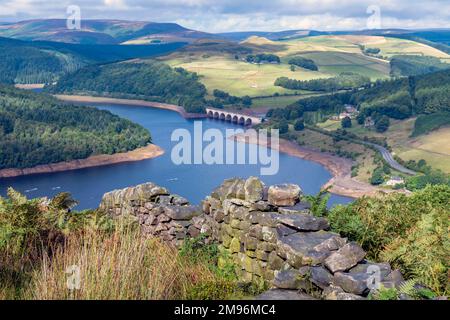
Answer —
(153, 81)
(38, 129)
(30, 62)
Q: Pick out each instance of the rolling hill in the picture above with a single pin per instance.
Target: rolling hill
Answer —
(29, 62)
(222, 65)
(101, 32)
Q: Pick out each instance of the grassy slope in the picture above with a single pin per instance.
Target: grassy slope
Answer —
(324, 143)
(333, 55)
(241, 78)
(432, 147)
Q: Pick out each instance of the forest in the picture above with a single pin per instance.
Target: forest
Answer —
(303, 63)
(345, 81)
(37, 129)
(404, 65)
(263, 58)
(397, 99)
(150, 80)
(44, 61)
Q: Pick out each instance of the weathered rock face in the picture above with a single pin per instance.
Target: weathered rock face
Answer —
(284, 195)
(269, 233)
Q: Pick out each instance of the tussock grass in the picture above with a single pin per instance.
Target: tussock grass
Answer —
(124, 265)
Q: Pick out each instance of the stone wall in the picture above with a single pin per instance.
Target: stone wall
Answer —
(161, 214)
(269, 233)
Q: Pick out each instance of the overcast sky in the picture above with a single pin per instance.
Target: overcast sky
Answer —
(246, 15)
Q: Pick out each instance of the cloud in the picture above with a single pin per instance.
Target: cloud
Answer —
(233, 15)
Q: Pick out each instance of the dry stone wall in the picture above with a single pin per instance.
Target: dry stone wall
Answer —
(269, 232)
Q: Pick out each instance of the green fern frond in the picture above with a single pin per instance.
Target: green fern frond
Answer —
(408, 288)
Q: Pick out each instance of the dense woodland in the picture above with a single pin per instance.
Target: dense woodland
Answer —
(415, 65)
(303, 63)
(222, 99)
(263, 58)
(29, 64)
(45, 62)
(37, 129)
(397, 99)
(149, 81)
(345, 81)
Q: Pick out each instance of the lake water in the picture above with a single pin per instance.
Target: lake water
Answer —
(191, 181)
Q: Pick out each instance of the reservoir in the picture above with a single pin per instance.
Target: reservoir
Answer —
(191, 181)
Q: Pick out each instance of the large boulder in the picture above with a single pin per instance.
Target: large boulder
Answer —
(345, 258)
(284, 195)
(253, 189)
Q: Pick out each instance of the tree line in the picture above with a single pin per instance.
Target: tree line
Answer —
(37, 129)
(344, 81)
(149, 80)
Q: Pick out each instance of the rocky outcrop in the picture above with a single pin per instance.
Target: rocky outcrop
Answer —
(269, 233)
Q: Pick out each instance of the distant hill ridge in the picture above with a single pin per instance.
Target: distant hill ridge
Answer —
(45, 61)
(99, 31)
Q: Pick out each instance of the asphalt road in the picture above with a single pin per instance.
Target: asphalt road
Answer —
(390, 159)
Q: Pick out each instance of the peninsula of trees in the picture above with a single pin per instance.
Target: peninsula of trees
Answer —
(149, 80)
(37, 129)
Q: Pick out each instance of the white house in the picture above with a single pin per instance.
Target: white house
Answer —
(393, 181)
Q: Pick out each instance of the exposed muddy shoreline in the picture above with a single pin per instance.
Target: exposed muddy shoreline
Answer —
(149, 152)
(341, 182)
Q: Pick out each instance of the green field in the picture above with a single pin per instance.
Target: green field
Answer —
(217, 64)
(274, 102)
(350, 44)
(432, 147)
(241, 78)
(338, 62)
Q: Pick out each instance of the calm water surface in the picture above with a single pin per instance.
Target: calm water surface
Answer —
(191, 181)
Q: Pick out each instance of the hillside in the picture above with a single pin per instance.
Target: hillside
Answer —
(44, 62)
(410, 115)
(100, 31)
(148, 80)
(37, 129)
(223, 65)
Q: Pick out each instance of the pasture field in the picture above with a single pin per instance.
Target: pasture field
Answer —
(241, 78)
(280, 101)
(350, 44)
(432, 147)
(221, 65)
(338, 62)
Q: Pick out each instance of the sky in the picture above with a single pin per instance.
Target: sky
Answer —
(247, 15)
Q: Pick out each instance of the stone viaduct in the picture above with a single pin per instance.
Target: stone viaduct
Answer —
(233, 117)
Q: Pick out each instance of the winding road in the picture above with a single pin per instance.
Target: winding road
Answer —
(390, 159)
